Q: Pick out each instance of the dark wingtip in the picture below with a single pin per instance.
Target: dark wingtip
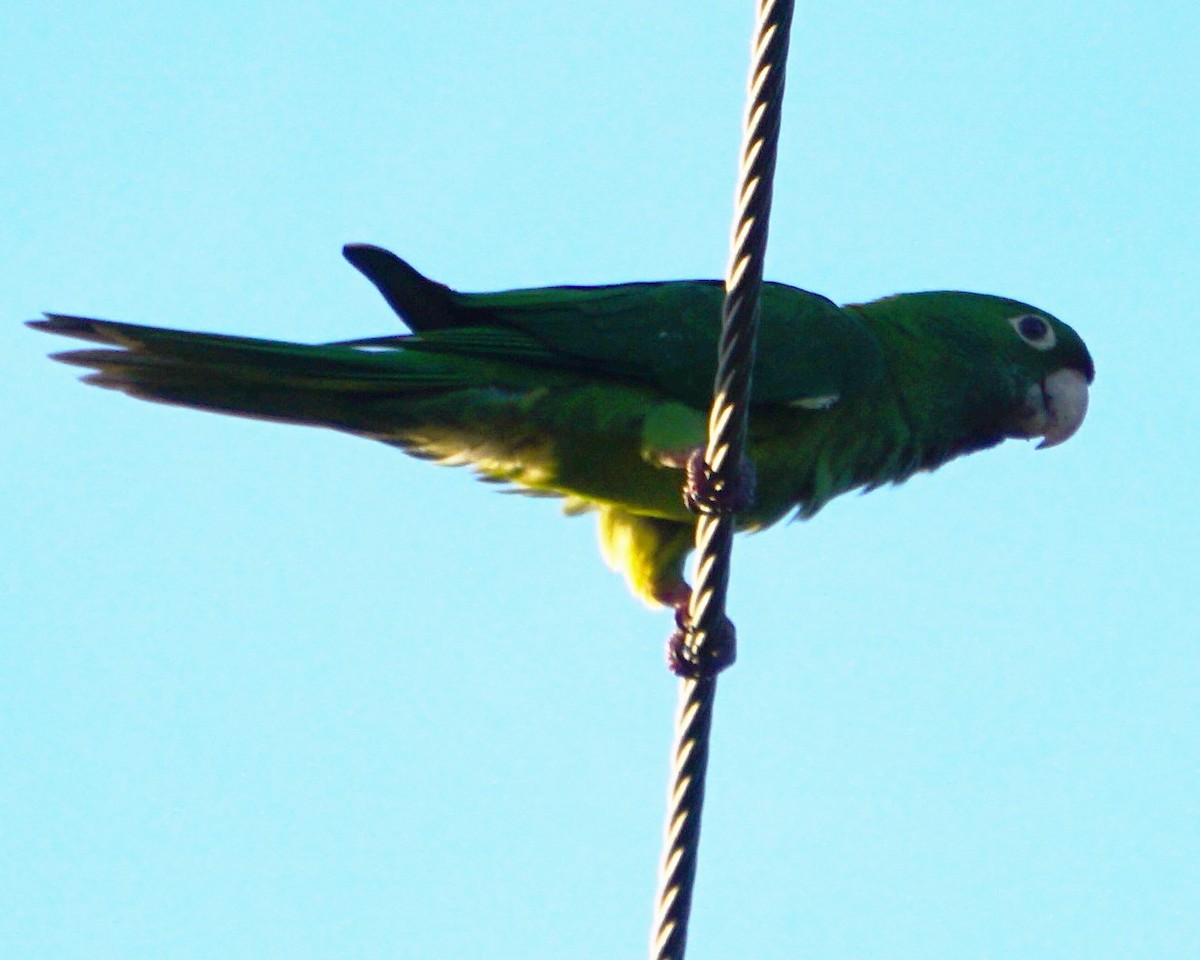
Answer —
(422, 303)
(368, 258)
(382, 268)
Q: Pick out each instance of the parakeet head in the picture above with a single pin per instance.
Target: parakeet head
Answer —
(999, 367)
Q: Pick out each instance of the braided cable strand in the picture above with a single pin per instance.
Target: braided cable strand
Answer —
(723, 458)
(724, 455)
(681, 840)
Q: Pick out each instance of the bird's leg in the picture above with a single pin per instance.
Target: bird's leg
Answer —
(685, 656)
(704, 493)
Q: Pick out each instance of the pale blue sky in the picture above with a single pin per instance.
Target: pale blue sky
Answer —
(276, 692)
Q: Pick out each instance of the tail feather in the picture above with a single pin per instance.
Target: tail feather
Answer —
(78, 327)
(331, 385)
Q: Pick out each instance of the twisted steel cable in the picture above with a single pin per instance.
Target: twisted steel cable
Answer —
(723, 475)
(715, 491)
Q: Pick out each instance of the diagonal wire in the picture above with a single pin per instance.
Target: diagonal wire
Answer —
(724, 455)
(677, 872)
(723, 459)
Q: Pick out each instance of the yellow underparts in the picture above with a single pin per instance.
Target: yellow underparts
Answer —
(648, 551)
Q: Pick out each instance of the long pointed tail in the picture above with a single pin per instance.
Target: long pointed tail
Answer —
(333, 385)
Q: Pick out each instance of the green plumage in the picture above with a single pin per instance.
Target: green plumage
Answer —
(599, 394)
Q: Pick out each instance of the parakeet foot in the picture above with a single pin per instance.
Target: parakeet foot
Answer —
(703, 494)
(685, 659)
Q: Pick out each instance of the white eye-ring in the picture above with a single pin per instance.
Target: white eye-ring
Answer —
(1034, 330)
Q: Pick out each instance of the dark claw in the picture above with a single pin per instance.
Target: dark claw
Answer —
(704, 494)
(686, 658)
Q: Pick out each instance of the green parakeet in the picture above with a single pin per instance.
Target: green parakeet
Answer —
(599, 395)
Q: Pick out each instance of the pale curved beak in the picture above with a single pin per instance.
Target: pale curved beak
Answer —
(1065, 402)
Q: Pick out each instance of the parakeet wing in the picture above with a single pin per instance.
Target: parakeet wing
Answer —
(659, 334)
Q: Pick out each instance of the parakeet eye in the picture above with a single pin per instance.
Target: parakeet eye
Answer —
(1034, 330)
